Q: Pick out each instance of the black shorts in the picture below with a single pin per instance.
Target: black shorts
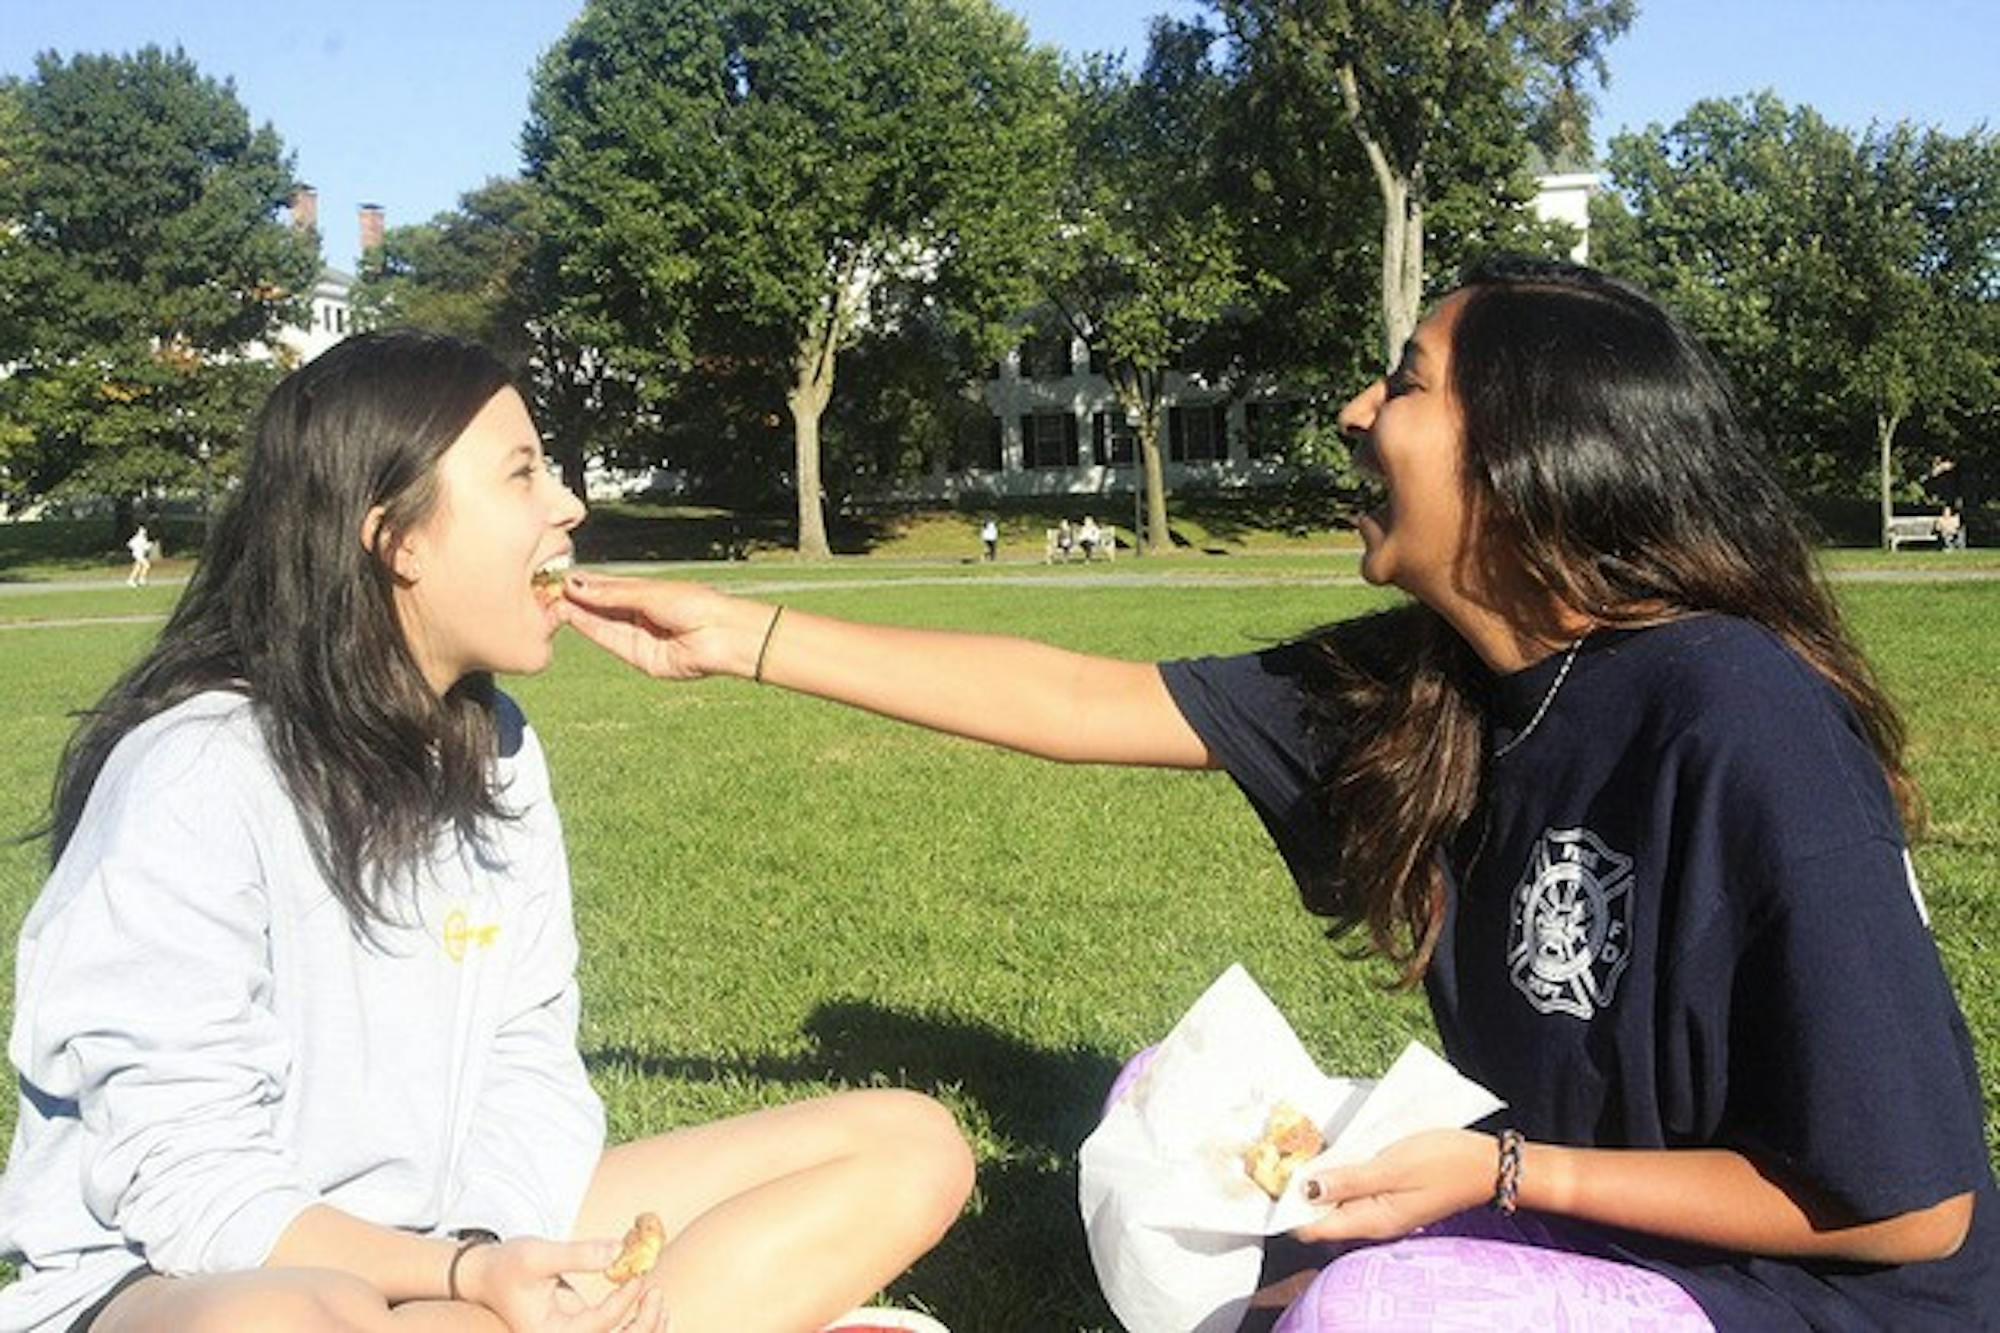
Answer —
(83, 1321)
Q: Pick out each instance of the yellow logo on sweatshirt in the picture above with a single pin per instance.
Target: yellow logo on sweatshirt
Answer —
(460, 934)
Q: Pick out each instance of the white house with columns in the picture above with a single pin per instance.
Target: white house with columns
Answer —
(1057, 427)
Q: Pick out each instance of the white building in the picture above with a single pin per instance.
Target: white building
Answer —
(329, 317)
(1057, 427)
(1565, 196)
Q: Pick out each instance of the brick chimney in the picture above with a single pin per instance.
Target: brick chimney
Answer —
(371, 227)
(305, 208)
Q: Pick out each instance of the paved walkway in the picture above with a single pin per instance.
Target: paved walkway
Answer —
(1100, 578)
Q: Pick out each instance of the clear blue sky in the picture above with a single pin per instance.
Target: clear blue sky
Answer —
(408, 103)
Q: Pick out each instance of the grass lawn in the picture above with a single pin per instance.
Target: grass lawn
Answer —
(778, 897)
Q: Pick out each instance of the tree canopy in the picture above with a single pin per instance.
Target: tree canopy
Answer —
(468, 271)
(485, 270)
(143, 259)
(732, 182)
(1442, 97)
(1848, 281)
(1147, 258)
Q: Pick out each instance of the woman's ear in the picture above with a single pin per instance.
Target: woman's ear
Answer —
(402, 561)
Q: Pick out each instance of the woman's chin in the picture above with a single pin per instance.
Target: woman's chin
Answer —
(1374, 564)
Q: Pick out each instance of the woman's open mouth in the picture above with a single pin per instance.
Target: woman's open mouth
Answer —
(1371, 499)
(547, 579)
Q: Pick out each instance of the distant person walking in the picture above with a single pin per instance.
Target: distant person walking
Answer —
(1065, 540)
(989, 533)
(140, 544)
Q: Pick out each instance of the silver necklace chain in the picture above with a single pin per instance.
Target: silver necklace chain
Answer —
(1542, 709)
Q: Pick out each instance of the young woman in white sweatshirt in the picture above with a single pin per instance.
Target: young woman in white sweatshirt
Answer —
(295, 1013)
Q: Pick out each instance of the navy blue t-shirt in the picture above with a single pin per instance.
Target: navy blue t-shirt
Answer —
(1682, 916)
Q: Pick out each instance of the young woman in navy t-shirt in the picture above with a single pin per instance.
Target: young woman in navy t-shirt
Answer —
(1616, 786)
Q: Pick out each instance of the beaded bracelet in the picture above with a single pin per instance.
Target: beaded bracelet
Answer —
(1507, 1180)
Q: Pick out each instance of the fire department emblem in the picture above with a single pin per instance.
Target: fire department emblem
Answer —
(1569, 937)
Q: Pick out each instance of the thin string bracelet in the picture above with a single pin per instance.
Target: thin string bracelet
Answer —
(764, 649)
(469, 1239)
(1507, 1179)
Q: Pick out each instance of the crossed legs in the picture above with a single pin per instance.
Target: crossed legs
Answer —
(776, 1221)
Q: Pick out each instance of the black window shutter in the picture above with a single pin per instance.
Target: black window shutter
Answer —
(1069, 439)
(1176, 436)
(1100, 452)
(1068, 353)
(996, 448)
(1028, 458)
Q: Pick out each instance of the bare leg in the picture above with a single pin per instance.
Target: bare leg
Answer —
(297, 1300)
(311, 1300)
(780, 1220)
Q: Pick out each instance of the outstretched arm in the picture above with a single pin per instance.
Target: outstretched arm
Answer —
(1026, 696)
(1710, 1196)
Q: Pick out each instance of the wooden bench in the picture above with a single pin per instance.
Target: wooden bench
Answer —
(1912, 528)
(1107, 545)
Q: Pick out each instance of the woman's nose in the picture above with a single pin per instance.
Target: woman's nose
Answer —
(569, 510)
(1359, 414)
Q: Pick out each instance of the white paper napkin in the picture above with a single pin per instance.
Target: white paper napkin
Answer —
(1175, 1226)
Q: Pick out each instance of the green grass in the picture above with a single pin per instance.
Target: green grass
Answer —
(778, 897)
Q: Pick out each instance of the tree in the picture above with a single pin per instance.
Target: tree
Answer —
(487, 271)
(468, 272)
(143, 262)
(1849, 282)
(1419, 82)
(908, 406)
(1148, 259)
(734, 180)
(1907, 281)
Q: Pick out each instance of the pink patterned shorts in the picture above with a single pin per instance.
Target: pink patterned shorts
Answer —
(1441, 1282)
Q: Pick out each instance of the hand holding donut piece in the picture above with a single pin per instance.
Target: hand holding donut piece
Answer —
(641, 1250)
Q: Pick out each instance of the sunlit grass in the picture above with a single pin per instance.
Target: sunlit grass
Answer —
(779, 897)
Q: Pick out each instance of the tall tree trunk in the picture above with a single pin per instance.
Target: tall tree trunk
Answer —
(1886, 422)
(1402, 227)
(1402, 264)
(1158, 539)
(1139, 392)
(572, 417)
(566, 432)
(812, 389)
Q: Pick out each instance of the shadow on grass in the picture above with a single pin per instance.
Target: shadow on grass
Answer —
(630, 532)
(1017, 1259)
(1293, 511)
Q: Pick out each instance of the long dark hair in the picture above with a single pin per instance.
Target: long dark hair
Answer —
(1604, 446)
(289, 608)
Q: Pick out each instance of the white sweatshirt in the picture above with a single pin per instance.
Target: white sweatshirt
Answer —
(206, 1046)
